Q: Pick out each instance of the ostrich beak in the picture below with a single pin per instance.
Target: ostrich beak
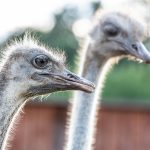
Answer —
(67, 80)
(138, 50)
(71, 81)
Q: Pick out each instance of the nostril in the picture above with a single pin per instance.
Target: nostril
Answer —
(134, 46)
(72, 76)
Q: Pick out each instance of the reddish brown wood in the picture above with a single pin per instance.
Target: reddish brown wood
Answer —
(42, 128)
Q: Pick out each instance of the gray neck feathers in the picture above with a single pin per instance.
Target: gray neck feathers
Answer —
(83, 115)
(9, 106)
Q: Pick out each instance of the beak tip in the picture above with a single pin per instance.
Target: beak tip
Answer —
(87, 87)
(90, 88)
(78, 83)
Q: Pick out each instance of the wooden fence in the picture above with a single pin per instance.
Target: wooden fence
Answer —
(42, 128)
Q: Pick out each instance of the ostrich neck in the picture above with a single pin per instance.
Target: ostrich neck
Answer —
(85, 105)
(9, 106)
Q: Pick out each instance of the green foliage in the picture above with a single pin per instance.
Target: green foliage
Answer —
(128, 80)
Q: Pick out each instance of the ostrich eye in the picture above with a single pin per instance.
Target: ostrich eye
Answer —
(110, 30)
(40, 61)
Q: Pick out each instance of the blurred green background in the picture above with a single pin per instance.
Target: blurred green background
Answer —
(127, 81)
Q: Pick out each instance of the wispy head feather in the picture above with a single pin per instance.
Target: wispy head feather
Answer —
(30, 42)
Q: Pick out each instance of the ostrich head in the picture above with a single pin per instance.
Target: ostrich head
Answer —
(117, 34)
(30, 70)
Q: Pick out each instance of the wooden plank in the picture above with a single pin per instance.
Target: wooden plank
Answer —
(42, 128)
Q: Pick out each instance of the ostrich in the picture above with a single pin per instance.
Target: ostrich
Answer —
(114, 35)
(28, 69)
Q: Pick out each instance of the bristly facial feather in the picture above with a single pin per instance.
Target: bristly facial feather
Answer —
(30, 42)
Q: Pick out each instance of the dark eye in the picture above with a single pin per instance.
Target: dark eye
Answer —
(110, 30)
(40, 61)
